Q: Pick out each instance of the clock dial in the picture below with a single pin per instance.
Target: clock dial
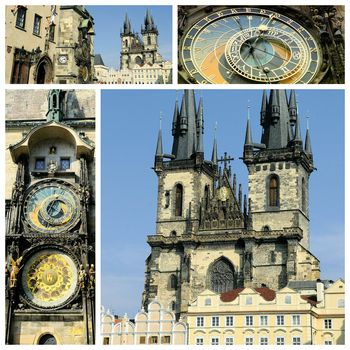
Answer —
(62, 59)
(246, 45)
(51, 207)
(49, 278)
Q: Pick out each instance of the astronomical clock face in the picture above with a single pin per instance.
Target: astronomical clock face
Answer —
(51, 208)
(249, 45)
(49, 279)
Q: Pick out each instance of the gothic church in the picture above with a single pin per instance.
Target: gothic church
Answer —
(211, 236)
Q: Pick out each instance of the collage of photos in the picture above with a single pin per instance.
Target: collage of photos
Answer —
(151, 197)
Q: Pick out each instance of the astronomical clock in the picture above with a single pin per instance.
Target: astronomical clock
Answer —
(277, 45)
(50, 295)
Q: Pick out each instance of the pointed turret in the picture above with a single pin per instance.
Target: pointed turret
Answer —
(159, 150)
(297, 137)
(292, 107)
(200, 127)
(185, 132)
(127, 26)
(263, 110)
(248, 133)
(308, 148)
(214, 154)
(149, 26)
(56, 105)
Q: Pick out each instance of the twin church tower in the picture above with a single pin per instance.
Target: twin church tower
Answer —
(210, 236)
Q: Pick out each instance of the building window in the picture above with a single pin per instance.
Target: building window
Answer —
(341, 303)
(296, 341)
(249, 341)
(280, 320)
(199, 341)
(249, 320)
(287, 299)
(280, 341)
(65, 163)
(172, 306)
(263, 320)
(37, 24)
(40, 164)
(207, 302)
(206, 197)
(303, 195)
(248, 300)
(264, 341)
(105, 340)
(166, 339)
(215, 321)
(296, 320)
(142, 339)
(328, 342)
(21, 17)
(153, 339)
(200, 321)
(273, 191)
(229, 341)
(328, 324)
(229, 321)
(214, 341)
(221, 276)
(52, 32)
(178, 200)
(173, 282)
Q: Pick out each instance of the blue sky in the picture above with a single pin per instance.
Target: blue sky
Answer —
(109, 22)
(130, 123)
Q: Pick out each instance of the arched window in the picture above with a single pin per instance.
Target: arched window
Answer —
(303, 195)
(149, 40)
(173, 233)
(47, 339)
(206, 197)
(172, 306)
(273, 191)
(178, 200)
(173, 282)
(221, 276)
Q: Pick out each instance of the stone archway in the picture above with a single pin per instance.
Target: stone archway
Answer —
(44, 71)
(221, 276)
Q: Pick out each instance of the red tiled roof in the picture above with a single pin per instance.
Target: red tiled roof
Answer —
(310, 299)
(117, 320)
(231, 295)
(267, 293)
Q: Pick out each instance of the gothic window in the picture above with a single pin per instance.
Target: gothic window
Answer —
(167, 199)
(206, 197)
(273, 191)
(266, 228)
(21, 17)
(221, 276)
(173, 282)
(272, 257)
(149, 40)
(173, 233)
(303, 195)
(178, 200)
(65, 163)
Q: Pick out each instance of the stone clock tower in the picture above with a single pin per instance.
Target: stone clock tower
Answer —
(209, 235)
(50, 279)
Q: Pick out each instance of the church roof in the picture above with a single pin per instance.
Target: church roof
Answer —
(98, 61)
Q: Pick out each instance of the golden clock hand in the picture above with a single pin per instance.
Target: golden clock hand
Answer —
(261, 66)
(271, 54)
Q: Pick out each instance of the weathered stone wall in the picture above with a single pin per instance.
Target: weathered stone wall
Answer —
(32, 104)
(29, 332)
(290, 211)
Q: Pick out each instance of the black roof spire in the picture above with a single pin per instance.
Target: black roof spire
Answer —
(127, 26)
(200, 127)
(159, 150)
(185, 130)
(214, 155)
(292, 107)
(308, 148)
(248, 133)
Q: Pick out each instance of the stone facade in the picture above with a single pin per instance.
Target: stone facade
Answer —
(49, 44)
(50, 217)
(210, 236)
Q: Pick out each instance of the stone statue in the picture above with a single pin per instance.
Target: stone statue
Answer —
(52, 167)
(15, 268)
(82, 277)
(92, 276)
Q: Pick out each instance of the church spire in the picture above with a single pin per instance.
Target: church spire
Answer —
(200, 127)
(292, 107)
(214, 155)
(56, 105)
(127, 26)
(248, 134)
(185, 131)
(297, 138)
(308, 148)
(159, 150)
